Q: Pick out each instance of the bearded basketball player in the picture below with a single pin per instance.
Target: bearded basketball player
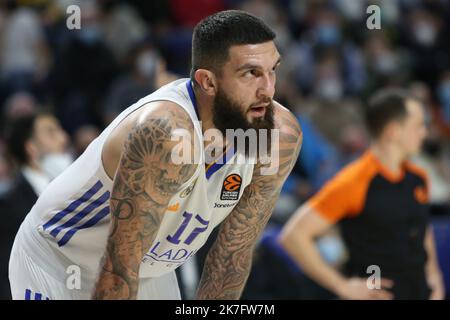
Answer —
(126, 215)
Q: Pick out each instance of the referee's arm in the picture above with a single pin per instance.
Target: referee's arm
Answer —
(336, 200)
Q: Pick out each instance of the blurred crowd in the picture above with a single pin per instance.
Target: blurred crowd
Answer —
(61, 87)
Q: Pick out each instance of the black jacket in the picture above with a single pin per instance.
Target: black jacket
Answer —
(14, 206)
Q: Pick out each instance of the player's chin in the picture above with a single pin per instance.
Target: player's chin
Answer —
(255, 120)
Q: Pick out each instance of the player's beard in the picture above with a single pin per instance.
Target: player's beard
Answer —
(229, 115)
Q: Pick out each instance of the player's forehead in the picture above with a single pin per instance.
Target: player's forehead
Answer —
(262, 54)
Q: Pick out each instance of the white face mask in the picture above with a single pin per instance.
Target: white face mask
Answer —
(55, 163)
(385, 63)
(330, 89)
(425, 33)
(146, 64)
(5, 186)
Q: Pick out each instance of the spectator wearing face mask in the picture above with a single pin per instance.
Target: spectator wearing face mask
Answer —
(425, 35)
(36, 144)
(148, 73)
(82, 71)
(25, 57)
(19, 104)
(323, 52)
(328, 83)
(434, 156)
(387, 64)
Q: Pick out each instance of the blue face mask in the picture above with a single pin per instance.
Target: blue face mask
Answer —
(89, 35)
(443, 92)
(327, 34)
(5, 185)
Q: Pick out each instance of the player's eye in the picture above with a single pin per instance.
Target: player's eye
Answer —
(275, 67)
(252, 72)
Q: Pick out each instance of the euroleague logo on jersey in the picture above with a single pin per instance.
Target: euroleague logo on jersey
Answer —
(231, 187)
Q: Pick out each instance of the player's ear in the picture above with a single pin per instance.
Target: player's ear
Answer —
(206, 80)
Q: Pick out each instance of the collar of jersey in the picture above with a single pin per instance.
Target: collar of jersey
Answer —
(226, 155)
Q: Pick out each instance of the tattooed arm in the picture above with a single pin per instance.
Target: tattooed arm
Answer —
(145, 180)
(228, 263)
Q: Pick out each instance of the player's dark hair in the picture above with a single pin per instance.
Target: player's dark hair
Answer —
(214, 35)
(385, 106)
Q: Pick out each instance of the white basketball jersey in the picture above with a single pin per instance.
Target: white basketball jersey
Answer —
(69, 224)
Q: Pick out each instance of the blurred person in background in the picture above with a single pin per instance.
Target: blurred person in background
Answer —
(83, 70)
(24, 55)
(434, 157)
(123, 28)
(148, 73)
(6, 235)
(188, 13)
(83, 137)
(381, 204)
(425, 34)
(322, 53)
(37, 146)
(275, 17)
(19, 104)
(328, 84)
(387, 64)
(442, 110)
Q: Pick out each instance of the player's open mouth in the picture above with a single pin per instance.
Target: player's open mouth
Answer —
(258, 111)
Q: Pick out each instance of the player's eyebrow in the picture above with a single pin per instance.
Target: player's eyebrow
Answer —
(248, 66)
(255, 66)
(277, 63)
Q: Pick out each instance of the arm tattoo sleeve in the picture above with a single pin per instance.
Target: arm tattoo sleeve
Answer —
(228, 263)
(143, 185)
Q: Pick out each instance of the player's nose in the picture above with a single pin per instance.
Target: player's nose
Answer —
(267, 87)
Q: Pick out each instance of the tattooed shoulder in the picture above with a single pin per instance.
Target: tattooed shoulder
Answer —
(291, 138)
(229, 261)
(148, 153)
(144, 183)
(288, 146)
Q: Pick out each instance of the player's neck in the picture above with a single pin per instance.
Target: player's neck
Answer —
(389, 156)
(204, 107)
